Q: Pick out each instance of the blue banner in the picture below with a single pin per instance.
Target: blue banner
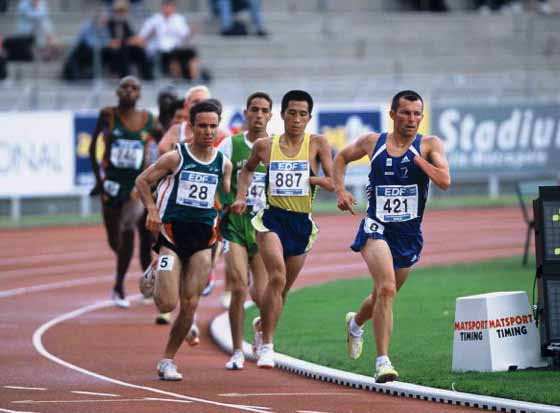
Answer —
(342, 127)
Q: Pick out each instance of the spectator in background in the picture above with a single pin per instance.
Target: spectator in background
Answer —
(139, 8)
(430, 5)
(229, 26)
(34, 28)
(510, 6)
(89, 50)
(163, 38)
(120, 55)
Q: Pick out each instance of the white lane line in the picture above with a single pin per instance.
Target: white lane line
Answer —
(309, 411)
(91, 393)
(283, 394)
(90, 253)
(38, 344)
(141, 399)
(25, 388)
(14, 411)
(57, 269)
(57, 285)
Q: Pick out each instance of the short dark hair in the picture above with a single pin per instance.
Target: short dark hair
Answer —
(217, 103)
(259, 95)
(410, 95)
(177, 105)
(299, 96)
(202, 107)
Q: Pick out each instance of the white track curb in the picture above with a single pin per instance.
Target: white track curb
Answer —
(220, 332)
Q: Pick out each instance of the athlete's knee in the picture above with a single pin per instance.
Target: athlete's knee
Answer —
(114, 244)
(277, 281)
(164, 304)
(237, 283)
(189, 304)
(386, 290)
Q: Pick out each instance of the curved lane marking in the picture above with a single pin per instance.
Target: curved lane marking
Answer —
(220, 333)
(38, 344)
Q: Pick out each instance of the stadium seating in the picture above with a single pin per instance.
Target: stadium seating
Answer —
(337, 49)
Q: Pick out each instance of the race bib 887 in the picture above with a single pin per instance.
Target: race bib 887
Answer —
(289, 178)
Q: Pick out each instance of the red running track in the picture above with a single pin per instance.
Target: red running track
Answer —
(107, 356)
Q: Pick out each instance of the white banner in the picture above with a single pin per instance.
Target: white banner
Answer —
(36, 153)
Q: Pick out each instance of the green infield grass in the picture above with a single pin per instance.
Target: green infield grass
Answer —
(312, 328)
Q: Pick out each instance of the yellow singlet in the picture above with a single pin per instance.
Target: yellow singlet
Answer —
(288, 178)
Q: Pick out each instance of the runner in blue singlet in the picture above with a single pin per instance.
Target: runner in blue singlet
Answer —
(389, 237)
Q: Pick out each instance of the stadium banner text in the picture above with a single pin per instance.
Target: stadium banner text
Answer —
(500, 139)
(36, 153)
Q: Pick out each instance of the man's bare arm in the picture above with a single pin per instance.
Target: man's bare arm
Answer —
(169, 140)
(363, 146)
(163, 166)
(100, 127)
(325, 158)
(437, 166)
(226, 181)
(259, 154)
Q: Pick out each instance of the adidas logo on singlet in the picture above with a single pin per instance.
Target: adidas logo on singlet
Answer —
(405, 159)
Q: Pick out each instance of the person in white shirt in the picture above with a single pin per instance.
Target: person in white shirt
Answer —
(163, 37)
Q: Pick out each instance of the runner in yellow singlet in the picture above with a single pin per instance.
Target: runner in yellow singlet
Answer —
(285, 228)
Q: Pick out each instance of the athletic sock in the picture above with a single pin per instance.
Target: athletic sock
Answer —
(268, 346)
(355, 329)
(382, 360)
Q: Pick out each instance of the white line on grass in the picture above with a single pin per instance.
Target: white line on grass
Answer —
(38, 344)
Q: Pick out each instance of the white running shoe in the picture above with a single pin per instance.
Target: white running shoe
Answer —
(167, 370)
(120, 300)
(147, 281)
(385, 372)
(266, 358)
(226, 299)
(354, 344)
(193, 336)
(236, 361)
(257, 336)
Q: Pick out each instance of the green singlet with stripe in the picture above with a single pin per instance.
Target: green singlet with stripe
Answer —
(188, 194)
(125, 155)
(256, 194)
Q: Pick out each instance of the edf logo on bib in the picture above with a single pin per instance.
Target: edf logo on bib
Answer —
(289, 166)
(201, 178)
(396, 191)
